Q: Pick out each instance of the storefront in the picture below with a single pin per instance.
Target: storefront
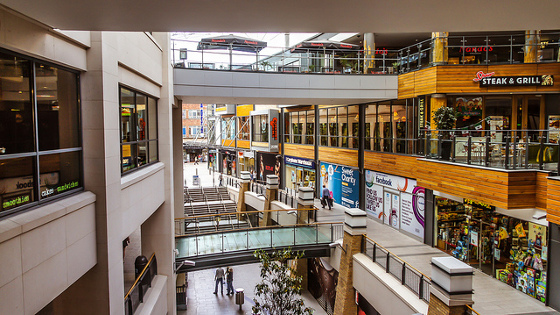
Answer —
(511, 248)
(343, 183)
(300, 172)
(396, 201)
(212, 160)
(228, 162)
(245, 161)
(268, 164)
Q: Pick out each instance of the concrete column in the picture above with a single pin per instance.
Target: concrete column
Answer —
(245, 179)
(305, 201)
(439, 48)
(451, 288)
(271, 195)
(369, 51)
(532, 41)
(354, 228)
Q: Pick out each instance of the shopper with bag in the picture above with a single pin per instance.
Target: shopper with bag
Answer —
(326, 200)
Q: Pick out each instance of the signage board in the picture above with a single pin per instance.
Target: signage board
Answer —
(489, 80)
(343, 184)
(297, 161)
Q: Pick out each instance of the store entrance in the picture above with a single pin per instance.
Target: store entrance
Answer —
(481, 235)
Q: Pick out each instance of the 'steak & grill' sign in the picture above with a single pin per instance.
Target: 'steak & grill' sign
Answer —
(489, 80)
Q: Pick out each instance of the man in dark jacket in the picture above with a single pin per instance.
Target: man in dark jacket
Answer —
(326, 197)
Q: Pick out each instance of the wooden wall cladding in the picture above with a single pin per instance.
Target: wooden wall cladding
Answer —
(553, 196)
(303, 151)
(508, 190)
(298, 108)
(338, 156)
(459, 79)
(541, 187)
(400, 165)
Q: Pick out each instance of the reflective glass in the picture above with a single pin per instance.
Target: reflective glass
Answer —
(17, 183)
(60, 173)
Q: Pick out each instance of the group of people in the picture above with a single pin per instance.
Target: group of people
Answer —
(219, 278)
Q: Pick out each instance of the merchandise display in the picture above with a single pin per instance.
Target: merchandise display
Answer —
(512, 250)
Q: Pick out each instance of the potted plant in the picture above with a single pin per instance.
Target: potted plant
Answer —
(444, 119)
(265, 65)
(311, 68)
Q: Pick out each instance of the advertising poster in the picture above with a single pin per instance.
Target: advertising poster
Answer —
(269, 164)
(342, 182)
(374, 196)
(395, 211)
(387, 208)
(554, 128)
(412, 201)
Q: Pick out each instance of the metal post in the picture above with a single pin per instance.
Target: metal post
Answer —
(374, 251)
(541, 152)
(487, 150)
(403, 273)
(387, 264)
(469, 147)
(506, 162)
(196, 242)
(421, 287)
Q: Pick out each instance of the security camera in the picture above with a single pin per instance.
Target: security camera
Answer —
(333, 245)
(189, 262)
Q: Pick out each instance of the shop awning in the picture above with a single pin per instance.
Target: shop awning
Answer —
(328, 47)
(232, 42)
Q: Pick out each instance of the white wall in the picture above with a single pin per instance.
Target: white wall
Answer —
(202, 86)
(390, 297)
(44, 251)
(255, 201)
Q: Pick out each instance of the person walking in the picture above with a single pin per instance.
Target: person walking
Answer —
(326, 197)
(220, 178)
(196, 160)
(219, 278)
(229, 280)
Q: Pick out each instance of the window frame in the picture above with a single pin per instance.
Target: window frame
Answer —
(36, 154)
(147, 139)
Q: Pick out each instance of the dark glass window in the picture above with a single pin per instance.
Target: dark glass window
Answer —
(260, 128)
(40, 140)
(139, 142)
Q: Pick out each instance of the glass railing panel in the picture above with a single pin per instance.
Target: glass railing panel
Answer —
(283, 237)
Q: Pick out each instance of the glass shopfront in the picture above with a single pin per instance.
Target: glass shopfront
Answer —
(299, 172)
(511, 249)
(228, 164)
(246, 161)
(40, 139)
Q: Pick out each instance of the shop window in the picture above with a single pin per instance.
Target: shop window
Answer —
(243, 132)
(260, 128)
(36, 168)
(310, 128)
(287, 129)
(138, 129)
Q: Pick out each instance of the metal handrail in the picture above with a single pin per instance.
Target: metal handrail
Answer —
(140, 276)
(388, 251)
(246, 212)
(471, 309)
(263, 228)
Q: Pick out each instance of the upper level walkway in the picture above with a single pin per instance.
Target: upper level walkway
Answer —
(242, 87)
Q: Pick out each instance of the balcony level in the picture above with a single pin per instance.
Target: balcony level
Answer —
(242, 87)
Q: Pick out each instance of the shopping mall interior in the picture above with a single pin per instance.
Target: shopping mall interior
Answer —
(414, 159)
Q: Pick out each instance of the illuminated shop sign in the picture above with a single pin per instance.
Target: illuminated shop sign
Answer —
(299, 162)
(489, 80)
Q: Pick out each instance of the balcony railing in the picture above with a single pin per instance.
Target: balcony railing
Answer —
(289, 197)
(461, 50)
(136, 294)
(504, 149)
(409, 276)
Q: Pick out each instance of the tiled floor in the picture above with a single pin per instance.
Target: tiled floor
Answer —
(202, 301)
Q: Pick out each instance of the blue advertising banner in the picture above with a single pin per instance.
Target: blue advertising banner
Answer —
(343, 184)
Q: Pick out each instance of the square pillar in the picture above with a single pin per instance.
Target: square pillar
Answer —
(451, 288)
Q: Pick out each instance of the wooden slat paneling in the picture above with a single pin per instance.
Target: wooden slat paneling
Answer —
(425, 81)
(298, 108)
(394, 164)
(406, 85)
(245, 144)
(553, 206)
(541, 190)
(459, 79)
(303, 151)
(338, 156)
(508, 190)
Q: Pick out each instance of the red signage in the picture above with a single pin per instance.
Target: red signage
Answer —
(476, 49)
(273, 128)
(481, 75)
(218, 41)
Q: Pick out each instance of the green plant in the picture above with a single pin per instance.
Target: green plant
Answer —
(311, 68)
(445, 118)
(279, 293)
(266, 65)
(396, 65)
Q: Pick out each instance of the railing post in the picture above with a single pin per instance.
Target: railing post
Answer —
(453, 144)
(387, 264)
(487, 150)
(403, 273)
(374, 251)
(506, 162)
(469, 148)
(141, 290)
(541, 150)
(196, 242)
(421, 287)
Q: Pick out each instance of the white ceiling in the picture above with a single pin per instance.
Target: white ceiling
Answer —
(378, 16)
